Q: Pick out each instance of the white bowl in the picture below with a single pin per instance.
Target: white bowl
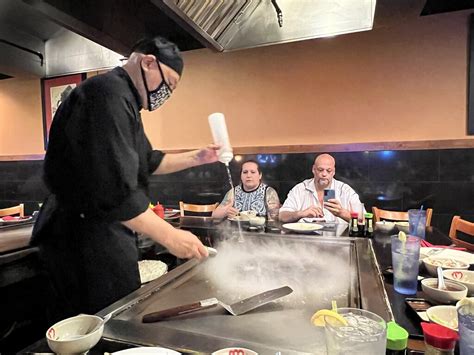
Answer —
(432, 263)
(430, 288)
(257, 221)
(248, 214)
(464, 277)
(384, 226)
(73, 336)
(446, 316)
(234, 351)
(403, 226)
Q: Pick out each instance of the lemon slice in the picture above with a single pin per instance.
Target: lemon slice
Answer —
(402, 236)
(318, 318)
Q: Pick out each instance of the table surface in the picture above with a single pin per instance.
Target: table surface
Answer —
(381, 243)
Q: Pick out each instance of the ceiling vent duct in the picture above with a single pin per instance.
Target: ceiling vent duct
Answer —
(238, 24)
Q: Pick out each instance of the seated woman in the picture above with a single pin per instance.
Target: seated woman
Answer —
(250, 194)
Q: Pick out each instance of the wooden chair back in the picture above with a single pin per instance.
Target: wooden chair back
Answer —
(465, 228)
(380, 214)
(196, 208)
(20, 210)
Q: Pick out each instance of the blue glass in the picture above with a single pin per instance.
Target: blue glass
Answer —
(405, 264)
(466, 331)
(417, 223)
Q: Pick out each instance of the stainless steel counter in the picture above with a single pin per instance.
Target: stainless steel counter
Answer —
(319, 269)
(15, 237)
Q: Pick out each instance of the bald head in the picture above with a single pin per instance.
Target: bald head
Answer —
(325, 159)
(324, 168)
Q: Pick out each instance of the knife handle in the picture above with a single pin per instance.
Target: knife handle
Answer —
(177, 311)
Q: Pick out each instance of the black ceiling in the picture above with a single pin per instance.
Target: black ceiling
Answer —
(433, 7)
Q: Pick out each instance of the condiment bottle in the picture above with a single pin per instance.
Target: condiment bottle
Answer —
(397, 339)
(369, 225)
(439, 340)
(221, 137)
(353, 229)
(159, 210)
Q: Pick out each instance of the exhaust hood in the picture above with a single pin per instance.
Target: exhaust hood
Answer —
(226, 25)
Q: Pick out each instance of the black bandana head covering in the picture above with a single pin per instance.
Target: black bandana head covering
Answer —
(165, 52)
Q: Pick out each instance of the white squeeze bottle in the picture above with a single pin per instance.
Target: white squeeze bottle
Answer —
(221, 137)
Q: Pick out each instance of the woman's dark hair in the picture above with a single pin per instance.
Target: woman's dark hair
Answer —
(250, 161)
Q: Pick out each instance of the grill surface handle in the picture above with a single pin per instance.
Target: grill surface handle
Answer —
(179, 310)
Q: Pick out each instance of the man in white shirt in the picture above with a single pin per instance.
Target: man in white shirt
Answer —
(306, 199)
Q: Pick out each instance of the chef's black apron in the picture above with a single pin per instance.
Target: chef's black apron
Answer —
(90, 263)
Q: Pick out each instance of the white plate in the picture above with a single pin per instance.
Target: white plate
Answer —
(447, 253)
(239, 219)
(16, 220)
(302, 227)
(147, 350)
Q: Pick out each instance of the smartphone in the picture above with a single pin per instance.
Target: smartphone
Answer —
(418, 304)
(329, 194)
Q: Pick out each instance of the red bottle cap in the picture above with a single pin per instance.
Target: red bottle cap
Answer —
(159, 210)
(354, 215)
(438, 336)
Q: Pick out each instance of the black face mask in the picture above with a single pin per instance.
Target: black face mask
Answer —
(157, 97)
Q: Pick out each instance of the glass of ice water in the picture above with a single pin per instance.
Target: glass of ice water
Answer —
(365, 333)
(466, 330)
(405, 264)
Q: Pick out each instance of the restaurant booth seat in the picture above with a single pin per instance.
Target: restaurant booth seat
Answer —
(194, 215)
(380, 214)
(462, 233)
(19, 210)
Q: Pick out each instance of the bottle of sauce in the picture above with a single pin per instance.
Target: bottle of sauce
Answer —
(221, 137)
(159, 210)
(369, 225)
(439, 340)
(397, 339)
(353, 228)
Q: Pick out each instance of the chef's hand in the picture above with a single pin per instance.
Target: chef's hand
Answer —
(335, 207)
(312, 212)
(207, 155)
(185, 245)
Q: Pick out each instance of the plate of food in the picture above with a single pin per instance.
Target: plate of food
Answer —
(302, 227)
(239, 218)
(447, 253)
(14, 220)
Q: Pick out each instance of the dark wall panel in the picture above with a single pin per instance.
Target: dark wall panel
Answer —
(398, 180)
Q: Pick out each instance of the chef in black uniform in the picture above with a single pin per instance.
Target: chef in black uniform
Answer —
(97, 166)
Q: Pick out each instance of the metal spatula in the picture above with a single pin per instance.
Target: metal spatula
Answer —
(235, 309)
